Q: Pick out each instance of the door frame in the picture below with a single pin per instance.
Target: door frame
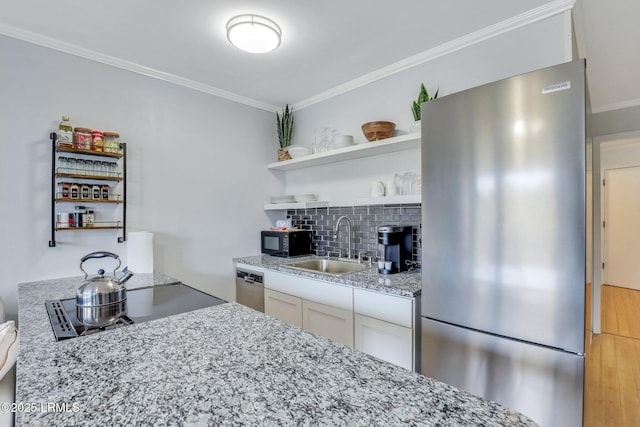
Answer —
(602, 144)
(605, 275)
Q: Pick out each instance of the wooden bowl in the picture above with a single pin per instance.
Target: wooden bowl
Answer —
(374, 131)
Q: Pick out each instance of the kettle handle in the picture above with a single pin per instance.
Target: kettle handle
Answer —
(99, 254)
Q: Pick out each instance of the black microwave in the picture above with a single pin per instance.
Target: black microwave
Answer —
(286, 243)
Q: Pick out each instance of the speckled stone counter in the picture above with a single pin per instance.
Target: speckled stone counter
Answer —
(223, 365)
(406, 284)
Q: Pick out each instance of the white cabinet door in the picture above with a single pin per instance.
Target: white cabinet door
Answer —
(331, 322)
(384, 340)
(284, 307)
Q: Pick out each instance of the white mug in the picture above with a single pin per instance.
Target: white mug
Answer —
(390, 189)
(377, 189)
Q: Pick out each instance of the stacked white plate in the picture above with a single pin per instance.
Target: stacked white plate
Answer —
(305, 197)
(282, 199)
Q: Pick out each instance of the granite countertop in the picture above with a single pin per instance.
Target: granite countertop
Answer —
(406, 284)
(223, 365)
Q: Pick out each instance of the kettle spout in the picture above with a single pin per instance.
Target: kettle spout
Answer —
(127, 275)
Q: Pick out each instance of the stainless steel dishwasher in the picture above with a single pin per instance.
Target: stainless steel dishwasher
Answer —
(250, 289)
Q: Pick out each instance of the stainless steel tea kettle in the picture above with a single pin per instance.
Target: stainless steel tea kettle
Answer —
(101, 300)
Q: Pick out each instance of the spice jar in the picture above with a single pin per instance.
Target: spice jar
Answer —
(85, 191)
(72, 166)
(74, 191)
(105, 192)
(63, 165)
(81, 167)
(83, 138)
(97, 141)
(113, 169)
(63, 190)
(111, 142)
(88, 219)
(95, 192)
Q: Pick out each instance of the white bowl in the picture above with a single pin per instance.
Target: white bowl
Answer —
(343, 141)
(296, 151)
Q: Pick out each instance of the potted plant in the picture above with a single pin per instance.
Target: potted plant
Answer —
(285, 132)
(416, 109)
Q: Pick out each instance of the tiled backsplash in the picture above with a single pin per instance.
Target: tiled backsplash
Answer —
(364, 220)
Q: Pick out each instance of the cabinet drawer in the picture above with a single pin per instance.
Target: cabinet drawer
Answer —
(385, 307)
(310, 289)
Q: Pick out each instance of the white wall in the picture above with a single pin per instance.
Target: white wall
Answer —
(196, 164)
(619, 151)
(535, 46)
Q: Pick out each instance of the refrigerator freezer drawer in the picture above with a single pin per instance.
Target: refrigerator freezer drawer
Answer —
(544, 384)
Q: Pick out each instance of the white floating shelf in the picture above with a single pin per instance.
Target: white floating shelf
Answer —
(389, 145)
(389, 200)
(296, 205)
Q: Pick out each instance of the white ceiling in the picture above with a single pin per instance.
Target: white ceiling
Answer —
(326, 45)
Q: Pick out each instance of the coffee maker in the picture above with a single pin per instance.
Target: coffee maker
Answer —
(397, 244)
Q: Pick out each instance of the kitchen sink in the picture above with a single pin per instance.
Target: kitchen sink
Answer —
(329, 266)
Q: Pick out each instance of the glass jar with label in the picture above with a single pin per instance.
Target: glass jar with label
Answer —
(63, 165)
(71, 166)
(97, 141)
(63, 190)
(83, 138)
(85, 191)
(88, 219)
(113, 169)
(111, 142)
(81, 167)
(74, 191)
(95, 192)
(105, 192)
(64, 135)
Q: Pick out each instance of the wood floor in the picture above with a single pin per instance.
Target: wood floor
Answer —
(612, 383)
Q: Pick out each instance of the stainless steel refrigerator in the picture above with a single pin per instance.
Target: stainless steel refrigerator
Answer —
(504, 242)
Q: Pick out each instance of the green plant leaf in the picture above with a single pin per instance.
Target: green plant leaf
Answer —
(424, 95)
(415, 108)
(284, 126)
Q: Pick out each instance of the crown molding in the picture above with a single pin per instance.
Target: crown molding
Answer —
(534, 15)
(75, 50)
(615, 106)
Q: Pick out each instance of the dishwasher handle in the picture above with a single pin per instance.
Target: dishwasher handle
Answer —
(253, 278)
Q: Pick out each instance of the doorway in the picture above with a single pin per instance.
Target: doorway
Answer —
(612, 392)
(621, 227)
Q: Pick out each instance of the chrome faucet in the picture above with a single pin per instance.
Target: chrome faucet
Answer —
(349, 235)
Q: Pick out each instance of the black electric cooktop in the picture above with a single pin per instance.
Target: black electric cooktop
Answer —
(143, 304)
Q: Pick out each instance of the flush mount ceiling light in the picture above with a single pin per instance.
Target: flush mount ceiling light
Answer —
(253, 33)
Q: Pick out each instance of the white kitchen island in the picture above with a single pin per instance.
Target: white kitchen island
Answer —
(223, 365)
